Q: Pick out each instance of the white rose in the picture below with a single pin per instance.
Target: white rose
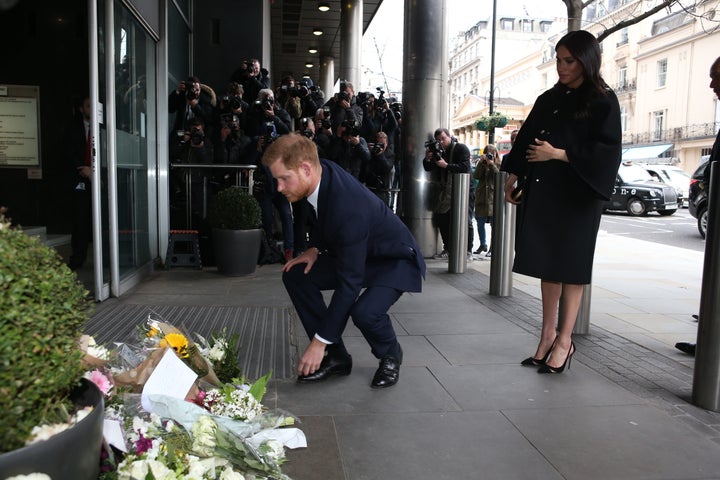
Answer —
(230, 474)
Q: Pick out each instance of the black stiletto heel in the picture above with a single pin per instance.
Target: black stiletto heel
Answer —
(537, 362)
(548, 369)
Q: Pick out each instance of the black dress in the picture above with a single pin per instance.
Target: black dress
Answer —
(559, 218)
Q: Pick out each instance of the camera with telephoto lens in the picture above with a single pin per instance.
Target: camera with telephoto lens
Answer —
(196, 136)
(376, 148)
(489, 157)
(396, 108)
(264, 104)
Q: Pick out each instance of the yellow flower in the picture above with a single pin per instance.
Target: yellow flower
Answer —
(177, 342)
(152, 332)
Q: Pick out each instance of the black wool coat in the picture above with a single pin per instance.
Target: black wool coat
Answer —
(559, 218)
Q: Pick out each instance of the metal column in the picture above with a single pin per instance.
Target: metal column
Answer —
(503, 240)
(425, 68)
(327, 76)
(457, 262)
(351, 30)
(706, 382)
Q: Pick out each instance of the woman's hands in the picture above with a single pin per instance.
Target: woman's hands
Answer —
(542, 151)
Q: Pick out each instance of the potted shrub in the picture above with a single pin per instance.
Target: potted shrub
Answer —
(44, 309)
(235, 219)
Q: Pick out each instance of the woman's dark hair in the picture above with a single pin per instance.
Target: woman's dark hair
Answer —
(584, 48)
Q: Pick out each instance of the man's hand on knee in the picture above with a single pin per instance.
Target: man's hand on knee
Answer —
(311, 359)
(308, 257)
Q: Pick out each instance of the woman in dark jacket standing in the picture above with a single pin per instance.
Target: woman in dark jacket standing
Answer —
(566, 157)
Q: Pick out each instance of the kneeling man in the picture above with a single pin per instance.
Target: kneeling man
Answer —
(356, 242)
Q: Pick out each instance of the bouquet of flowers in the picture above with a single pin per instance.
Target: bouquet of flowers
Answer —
(219, 430)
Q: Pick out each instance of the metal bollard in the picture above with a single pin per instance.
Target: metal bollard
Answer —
(582, 321)
(503, 240)
(706, 381)
(457, 261)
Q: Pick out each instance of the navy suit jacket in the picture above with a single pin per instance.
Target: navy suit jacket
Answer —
(366, 242)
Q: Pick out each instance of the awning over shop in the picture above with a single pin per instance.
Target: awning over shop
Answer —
(645, 153)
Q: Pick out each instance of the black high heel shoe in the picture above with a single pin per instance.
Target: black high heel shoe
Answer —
(537, 362)
(548, 369)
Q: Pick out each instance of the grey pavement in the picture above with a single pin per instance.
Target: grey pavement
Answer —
(464, 408)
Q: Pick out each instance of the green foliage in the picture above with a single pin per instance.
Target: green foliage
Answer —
(44, 309)
(234, 209)
(490, 122)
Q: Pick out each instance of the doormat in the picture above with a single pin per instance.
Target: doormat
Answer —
(264, 332)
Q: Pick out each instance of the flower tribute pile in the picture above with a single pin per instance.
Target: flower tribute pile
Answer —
(218, 428)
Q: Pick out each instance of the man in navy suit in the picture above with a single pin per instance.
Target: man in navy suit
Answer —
(357, 242)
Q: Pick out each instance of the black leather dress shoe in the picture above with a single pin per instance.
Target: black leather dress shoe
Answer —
(686, 347)
(332, 364)
(387, 373)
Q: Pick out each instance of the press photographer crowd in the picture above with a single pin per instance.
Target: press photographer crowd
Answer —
(358, 131)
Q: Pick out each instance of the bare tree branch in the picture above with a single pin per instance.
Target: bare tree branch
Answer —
(632, 21)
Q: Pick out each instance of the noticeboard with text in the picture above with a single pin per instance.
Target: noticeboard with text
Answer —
(19, 126)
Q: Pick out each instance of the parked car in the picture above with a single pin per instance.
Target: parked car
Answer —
(698, 195)
(674, 176)
(637, 193)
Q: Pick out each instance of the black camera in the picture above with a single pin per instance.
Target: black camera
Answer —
(196, 136)
(231, 121)
(264, 104)
(303, 89)
(344, 95)
(352, 128)
(248, 67)
(190, 91)
(434, 147)
(376, 148)
(233, 102)
(326, 123)
(396, 108)
(489, 156)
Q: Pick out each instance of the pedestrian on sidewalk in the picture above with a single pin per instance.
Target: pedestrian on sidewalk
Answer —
(357, 242)
(484, 174)
(565, 160)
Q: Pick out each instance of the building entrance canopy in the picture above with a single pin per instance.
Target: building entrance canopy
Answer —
(648, 152)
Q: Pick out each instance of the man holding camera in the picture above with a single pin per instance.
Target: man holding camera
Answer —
(252, 77)
(344, 106)
(444, 156)
(188, 101)
(347, 148)
(484, 174)
(264, 109)
(377, 172)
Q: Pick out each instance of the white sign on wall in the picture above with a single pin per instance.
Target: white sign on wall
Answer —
(19, 126)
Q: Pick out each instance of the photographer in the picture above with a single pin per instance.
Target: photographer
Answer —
(252, 77)
(264, 109)
(190, 100)
(444, 156)
(484, 174)
(343, 105)
(379, 118)
(288, 97)
(266, 192)
(377, 172)
(189, 147)
(347, 148)
(311, 97)
(231, 141)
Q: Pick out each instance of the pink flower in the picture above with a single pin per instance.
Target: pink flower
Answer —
(100, 380)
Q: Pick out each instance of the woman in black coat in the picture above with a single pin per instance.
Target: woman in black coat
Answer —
(565, 160)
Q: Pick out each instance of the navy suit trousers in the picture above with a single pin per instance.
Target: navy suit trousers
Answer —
(369, 312)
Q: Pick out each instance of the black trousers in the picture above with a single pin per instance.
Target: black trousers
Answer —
(369, 312)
